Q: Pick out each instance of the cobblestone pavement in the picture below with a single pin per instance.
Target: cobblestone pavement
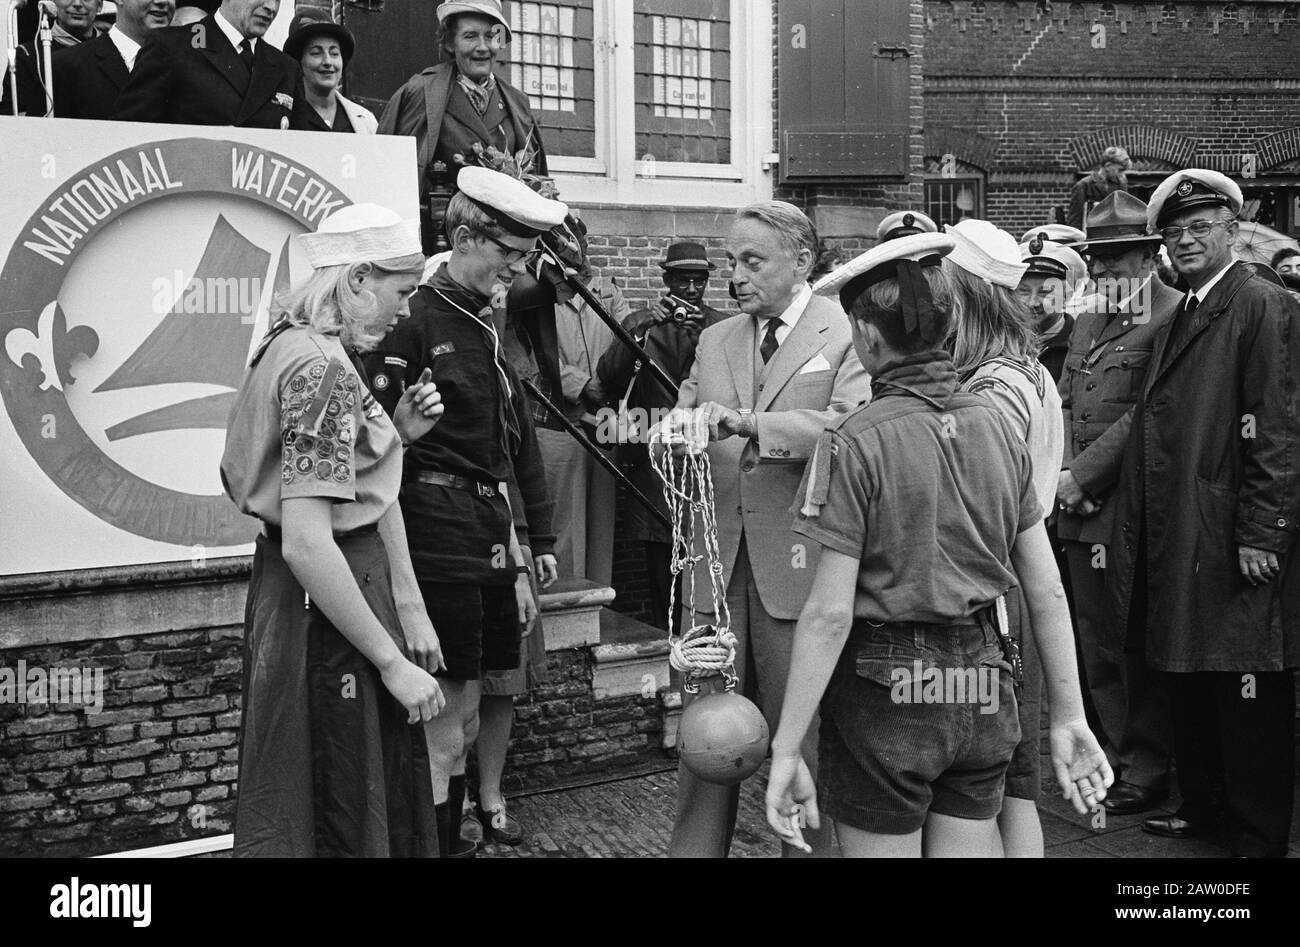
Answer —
(633, 817)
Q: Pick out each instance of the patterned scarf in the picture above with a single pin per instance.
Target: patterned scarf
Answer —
(479, 95)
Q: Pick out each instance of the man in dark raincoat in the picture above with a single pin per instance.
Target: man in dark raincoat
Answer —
(1204, 560)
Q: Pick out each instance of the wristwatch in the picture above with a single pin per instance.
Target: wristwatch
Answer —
(748, 423)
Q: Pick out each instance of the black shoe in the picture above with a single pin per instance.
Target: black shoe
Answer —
(498, 826)
(1173, 826)
(1126, 799)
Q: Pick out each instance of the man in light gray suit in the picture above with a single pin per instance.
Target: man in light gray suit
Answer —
(767, 382)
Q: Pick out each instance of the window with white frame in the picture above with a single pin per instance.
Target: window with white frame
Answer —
(649, 101)
(552, 62)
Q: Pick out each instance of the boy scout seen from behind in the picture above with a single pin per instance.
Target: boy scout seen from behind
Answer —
(923, 501)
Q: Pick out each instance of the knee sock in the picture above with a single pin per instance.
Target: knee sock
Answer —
(442, 817)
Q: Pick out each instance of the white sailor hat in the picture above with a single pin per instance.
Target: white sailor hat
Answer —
(903, 224)
(1195, 187)
(1048, 258)
(1056, 233)
(514, 205)
(983, 250)
(361, 233)
(899, 259)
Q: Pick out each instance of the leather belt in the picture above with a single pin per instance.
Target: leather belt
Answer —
(274, 534)
(439, 479)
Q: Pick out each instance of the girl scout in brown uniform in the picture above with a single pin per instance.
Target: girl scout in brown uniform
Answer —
(338, 651)
(921, 460)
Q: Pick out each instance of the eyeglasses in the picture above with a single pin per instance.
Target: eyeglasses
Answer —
(700, 281)
(514, 255)
(1197, 228)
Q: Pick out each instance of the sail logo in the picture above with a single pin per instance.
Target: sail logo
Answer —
(132, 296)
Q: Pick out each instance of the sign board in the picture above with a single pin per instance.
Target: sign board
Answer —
(137, 266)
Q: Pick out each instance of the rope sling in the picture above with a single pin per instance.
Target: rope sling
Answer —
(707, 650)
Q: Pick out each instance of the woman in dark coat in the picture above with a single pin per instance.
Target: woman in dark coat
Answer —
(454, 106)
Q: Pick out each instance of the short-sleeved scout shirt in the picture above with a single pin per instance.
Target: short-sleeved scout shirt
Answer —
(305, 425)
(927, 487)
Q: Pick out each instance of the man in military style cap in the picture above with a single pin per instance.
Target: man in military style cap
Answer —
(1209, 507)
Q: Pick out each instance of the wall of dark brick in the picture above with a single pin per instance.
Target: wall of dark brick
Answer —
(159, 763)
(1025, 93)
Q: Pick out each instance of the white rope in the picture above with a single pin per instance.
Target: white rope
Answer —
(703, 650)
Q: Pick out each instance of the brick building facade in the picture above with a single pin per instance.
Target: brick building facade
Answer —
(1025, 96)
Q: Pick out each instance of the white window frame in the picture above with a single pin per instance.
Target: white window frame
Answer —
(618, 176)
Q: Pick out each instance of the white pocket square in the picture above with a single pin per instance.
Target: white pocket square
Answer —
(816, 364)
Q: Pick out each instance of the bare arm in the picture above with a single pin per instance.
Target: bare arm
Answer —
(1080, 765)
(421, 639)
(819, 638)
(318, 564)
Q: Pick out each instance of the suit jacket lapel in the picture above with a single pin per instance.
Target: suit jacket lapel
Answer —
(267, 73)
(804, 340)
(738, 348)
(111, 63)
(460, 108)
(223, 56)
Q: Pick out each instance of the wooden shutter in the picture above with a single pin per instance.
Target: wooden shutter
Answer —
(843, 84)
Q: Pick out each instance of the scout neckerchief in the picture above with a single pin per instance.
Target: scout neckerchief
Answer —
(474, 306)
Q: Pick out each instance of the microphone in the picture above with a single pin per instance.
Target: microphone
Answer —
(47, 8)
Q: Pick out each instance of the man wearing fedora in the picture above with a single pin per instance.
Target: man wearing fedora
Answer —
(1106, 365)
(218, 71)
(453, 106)
(1208, 510)
(669, 330)
(324, 48)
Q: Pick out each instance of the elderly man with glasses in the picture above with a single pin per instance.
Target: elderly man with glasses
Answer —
(1203, 562)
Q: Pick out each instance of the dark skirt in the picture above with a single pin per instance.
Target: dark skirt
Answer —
(328, 765)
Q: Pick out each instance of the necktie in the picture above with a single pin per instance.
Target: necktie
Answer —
(769, 345)
(246, 54)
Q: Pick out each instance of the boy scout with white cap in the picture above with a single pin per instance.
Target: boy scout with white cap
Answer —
(921, 500)
(463, 544)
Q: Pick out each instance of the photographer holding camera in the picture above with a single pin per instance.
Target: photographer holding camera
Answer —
(669, 331)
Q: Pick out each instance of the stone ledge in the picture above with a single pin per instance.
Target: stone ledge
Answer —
(571, 613)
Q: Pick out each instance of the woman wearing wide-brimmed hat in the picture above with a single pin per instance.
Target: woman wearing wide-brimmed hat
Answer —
(324, 48)
(339, 653)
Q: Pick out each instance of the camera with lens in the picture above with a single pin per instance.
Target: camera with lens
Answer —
(680, 310)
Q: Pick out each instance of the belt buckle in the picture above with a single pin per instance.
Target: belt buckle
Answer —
(485, 491)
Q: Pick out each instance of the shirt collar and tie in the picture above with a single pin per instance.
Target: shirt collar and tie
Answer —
(245, 46)
(773, 330)
(1197, 296)
(127, 48)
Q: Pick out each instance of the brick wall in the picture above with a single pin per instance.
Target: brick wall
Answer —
(1030, 94)
(158, 764)
(562, 733)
